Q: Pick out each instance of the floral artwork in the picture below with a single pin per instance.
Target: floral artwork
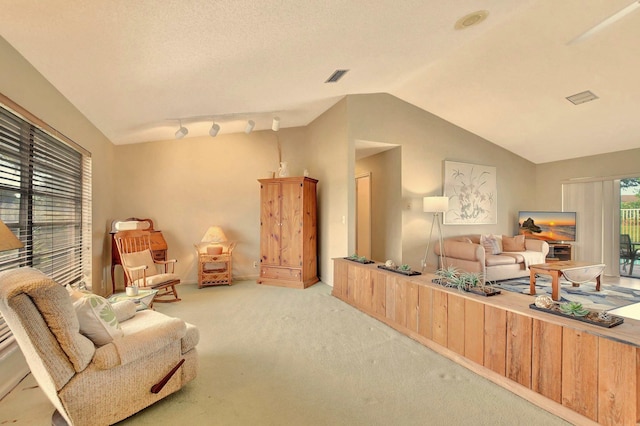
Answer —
(471, 189)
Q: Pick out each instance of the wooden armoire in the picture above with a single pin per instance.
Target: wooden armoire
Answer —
(288, 232)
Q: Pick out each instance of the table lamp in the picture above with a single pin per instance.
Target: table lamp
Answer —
(212, 239)
(8, 241)
(435, 205)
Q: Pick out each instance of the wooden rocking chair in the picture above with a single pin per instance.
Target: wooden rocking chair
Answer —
(141, 269)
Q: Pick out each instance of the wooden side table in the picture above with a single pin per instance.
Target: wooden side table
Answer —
(214, 269)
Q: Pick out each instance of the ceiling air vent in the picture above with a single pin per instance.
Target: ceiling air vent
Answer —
(337, 75)
(582, 97)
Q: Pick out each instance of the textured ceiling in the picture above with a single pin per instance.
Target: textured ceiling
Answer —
(134, 68)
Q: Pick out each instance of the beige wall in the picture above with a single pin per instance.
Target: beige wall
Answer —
(549, 176)
(333, 165)
(20, 82)
(187, 185)
(427, 141)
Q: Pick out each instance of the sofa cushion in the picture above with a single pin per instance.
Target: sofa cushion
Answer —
(491, 244)
(513, 243)
(97, 319)
(519, 258)
(494, 260)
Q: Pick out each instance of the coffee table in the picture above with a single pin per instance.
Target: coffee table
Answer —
(558, 269)
(143, 300)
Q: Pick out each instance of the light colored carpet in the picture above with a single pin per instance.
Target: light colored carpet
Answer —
(277, 356)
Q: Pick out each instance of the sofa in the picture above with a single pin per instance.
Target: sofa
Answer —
(490, 257)
(97, 362)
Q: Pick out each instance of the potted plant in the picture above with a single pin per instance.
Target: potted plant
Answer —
(464, 281)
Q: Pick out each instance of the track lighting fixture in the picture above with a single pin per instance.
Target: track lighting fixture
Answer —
(250, 125)
(275, 126)
(214, 130)
(181, 132)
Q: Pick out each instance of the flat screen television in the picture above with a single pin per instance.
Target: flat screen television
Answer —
(553, 227)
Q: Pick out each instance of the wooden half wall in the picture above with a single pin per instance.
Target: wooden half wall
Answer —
(582, 373)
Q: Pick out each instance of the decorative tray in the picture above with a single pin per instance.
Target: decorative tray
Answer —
(353, 259)
(399, 271)
(485, 291)
(590, 318)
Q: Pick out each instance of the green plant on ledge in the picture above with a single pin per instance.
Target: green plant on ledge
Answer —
(573, 308)
(404, 267)
(448, 275)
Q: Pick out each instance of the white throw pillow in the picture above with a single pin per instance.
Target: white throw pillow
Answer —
(97, 319)
(140, 258)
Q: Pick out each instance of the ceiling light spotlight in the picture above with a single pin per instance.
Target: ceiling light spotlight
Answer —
(213, 131)
(275, 126)
(181, 132)
(250, 125)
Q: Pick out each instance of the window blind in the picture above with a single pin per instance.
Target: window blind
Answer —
(45, 199)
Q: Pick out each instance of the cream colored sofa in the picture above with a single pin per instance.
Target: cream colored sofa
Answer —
(466, 253)
(89, 383)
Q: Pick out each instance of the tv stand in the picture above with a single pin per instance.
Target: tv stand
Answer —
(559, 252)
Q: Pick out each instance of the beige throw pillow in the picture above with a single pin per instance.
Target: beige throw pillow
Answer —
(491, 244)
(513, 243)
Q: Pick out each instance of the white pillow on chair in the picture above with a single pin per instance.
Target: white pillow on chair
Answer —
(97, 319)
(140, 258)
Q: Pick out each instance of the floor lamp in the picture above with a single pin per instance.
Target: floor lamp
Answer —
(437, 206)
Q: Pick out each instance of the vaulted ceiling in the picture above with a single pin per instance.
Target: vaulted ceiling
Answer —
(136, 68)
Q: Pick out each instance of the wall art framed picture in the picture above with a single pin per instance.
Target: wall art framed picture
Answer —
(471, 189)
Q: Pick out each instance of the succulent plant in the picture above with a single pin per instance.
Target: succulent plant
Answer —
(447, 275)
(573, 308)
(404, 267)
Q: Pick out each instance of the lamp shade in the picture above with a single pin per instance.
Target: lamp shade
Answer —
(214, 234)
(8, 241)
(435, 204)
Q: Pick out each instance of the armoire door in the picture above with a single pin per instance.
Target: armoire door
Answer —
(270, 221)
(291, 229)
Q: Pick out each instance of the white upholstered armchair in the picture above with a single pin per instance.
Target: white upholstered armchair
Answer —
(140, 357)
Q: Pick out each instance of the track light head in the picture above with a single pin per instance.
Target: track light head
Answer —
(275, 126)
(181, 132)
(250, 125)
(213, 131)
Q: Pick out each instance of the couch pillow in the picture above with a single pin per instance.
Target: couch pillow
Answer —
(513, 243)
(97, 319)
(491, 244)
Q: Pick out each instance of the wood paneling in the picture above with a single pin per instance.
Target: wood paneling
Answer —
(412, 305)
(378, 298)
(579, 372)
(495, 331)
(555, 362)
(455, 324)
(425, 310)
(474, 331)
(440, 308)
(546, 359)
(617, 389)
(518, 359)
